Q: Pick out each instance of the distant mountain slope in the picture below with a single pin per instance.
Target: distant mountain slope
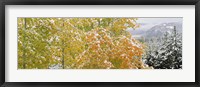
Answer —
(157, 30)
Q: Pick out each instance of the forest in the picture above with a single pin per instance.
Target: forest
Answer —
(94, 43)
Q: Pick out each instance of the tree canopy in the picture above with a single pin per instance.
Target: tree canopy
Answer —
(78, 43)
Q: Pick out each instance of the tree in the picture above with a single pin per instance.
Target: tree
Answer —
(169, 53)
(78, 43)
(33, 34)
(104, 51)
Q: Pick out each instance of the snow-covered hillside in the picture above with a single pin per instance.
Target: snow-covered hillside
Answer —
(156, 30)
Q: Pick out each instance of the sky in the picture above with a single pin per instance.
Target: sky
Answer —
(158, 20)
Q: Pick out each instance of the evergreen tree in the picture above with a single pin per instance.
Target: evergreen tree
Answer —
(169, 53)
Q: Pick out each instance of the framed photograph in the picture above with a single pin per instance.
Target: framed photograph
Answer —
(59, 43)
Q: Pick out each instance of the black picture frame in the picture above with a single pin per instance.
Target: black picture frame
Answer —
(99, 2)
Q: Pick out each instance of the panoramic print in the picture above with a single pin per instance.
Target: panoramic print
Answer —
(100, 43)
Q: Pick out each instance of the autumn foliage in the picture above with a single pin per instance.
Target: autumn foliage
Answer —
(78, 43)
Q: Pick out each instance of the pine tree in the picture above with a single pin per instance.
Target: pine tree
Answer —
(169, 53)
